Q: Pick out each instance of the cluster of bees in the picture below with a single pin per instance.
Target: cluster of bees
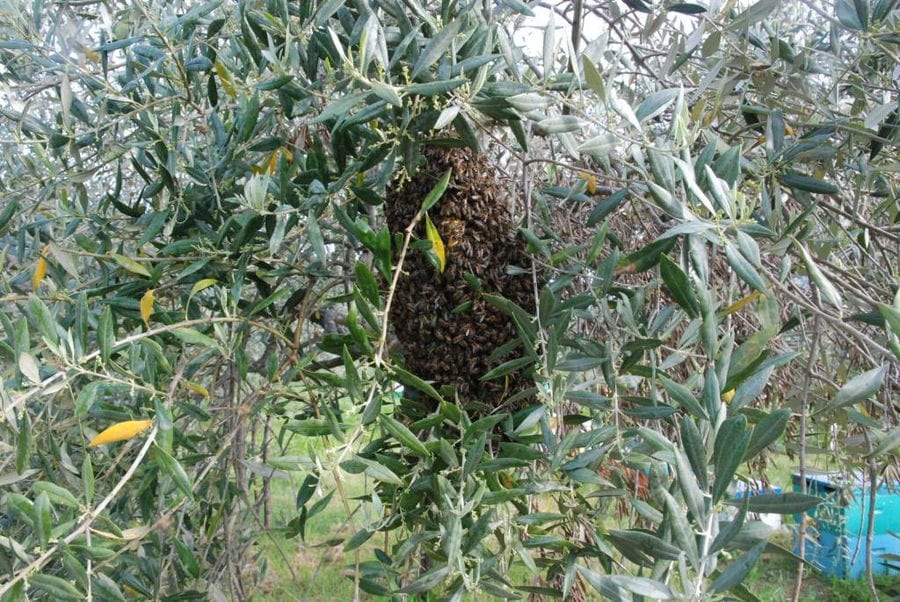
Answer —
(446, 330)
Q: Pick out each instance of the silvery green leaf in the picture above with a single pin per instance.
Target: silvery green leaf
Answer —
(655, 104)
(625, 111)
(446, 117)
(598, 147)
(528, 101)
(826, 287)
(558, 125)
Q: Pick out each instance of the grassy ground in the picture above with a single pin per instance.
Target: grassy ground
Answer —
(315, 571)
(310, 570)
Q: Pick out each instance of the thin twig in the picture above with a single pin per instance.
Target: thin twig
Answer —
(870, 524)
(804, 419)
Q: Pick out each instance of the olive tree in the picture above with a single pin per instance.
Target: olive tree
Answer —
(204, 251)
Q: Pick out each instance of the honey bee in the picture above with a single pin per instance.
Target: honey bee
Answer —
(479, 233)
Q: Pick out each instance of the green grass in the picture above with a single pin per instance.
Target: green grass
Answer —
(309, 569)
(773, 577)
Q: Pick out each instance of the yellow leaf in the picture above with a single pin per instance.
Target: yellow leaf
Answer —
(147, 307)
(728, 395)
(90, 55)
(277, 154)
(40, 270)
(201, 390)
(131, 265)
(591, 180)
(437, 245)
(741, 303)
(121, 431)
(225, 79)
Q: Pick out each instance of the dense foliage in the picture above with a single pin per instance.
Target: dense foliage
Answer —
(193, 233)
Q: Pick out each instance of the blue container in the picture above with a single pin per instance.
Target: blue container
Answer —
(836, 542)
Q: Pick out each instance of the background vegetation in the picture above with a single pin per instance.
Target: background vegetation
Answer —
(193, 234)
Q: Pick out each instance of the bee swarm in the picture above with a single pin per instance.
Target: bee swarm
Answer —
(479, 234)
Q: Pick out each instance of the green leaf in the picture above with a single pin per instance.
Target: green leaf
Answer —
(6, 215)
(56, 494)
(174, 469)
(56, 587)
(689, 483)
(731, 444)
(29, 367)
(686, 8)
(646, 542)
(404, 436)
(435, 88)
(371, 411)
(679, 285)
(386, 92)
(106, 333)
(891, 317)
(549, 45)
(807, 183)
(340, 106)
(427, 581)
(732, 528)
(624, 110)
(682, 533)
(779, 503)
(358, 539)
(753, 14)
(858, 388)
(351, 377)
(642, 586)
(131, 265)
(593, 77)
(886, 443)
(410, 379)
(87, 479)
(743, 268)
(107, 589)
(273, 83)
(16, 593)
(559, 125)
(41, 314)
(683, 396)
(695, 450)
(648, 256)
(43, 519)
(198, 63)
(655, 103)
(508, 367)
(379, 472)
(23, 444)
(604, 584)
(436, 47)
(652, 438)
(825, 286)
(195, 337)
(474, 452)
(735, 573)
(314, 236)
(311, 427)
(766, 431)
(435, 194)
(607, 206)
(853, 15)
